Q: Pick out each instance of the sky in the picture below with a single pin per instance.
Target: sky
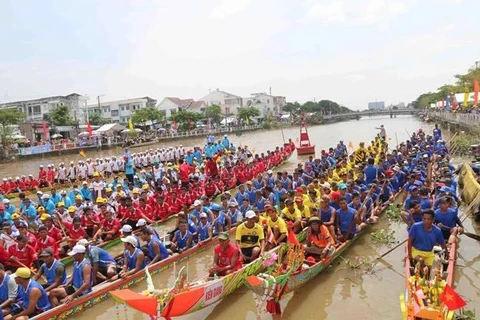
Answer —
(349, 51)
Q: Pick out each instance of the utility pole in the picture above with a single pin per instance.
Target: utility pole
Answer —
(86, 109)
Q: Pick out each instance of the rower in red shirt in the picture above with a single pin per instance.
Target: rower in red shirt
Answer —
(50, 175)
(131, 216)
(211, 168)
(90, 222)
(185, 170)
(5, 186)
(21, 183)
(22, 229)
(175, 203)
(75, 231)
(52, 230)
(227, 257)
(13, 185)
(162, 209)
(33, 184)
(110, 228)
(145, 211)
(42, 177)
(22, 254)
(45, 241)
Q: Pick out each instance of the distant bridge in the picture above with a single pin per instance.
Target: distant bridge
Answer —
(370, 113)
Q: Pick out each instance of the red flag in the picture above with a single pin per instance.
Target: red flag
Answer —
(291, 238)
(45, 131)
(475, 92)
(89, 129)
(451, 299)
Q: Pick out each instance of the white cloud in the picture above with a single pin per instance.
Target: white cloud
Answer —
(228, 8)
(352, 12)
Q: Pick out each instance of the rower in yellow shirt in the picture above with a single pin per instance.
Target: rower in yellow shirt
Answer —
(304, 210)
(292, 214)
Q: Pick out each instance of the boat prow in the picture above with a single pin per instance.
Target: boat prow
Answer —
(304, 150)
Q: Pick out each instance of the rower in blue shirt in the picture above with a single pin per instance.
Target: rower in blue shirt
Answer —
(33, 292)
(156, 249)
(422, 237)
(183, 238)
(53, 270)
(103, 265)
(204, 228)
(446, 218)
(134, 258)
(346, 222)
(413, 196)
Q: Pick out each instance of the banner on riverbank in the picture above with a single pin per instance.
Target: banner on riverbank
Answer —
(35, 150)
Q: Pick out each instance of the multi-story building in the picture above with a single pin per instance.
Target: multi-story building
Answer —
(266, 103)
(121, 110)
(171, 105)
(36, 109)
(227, 101)
(377, 105)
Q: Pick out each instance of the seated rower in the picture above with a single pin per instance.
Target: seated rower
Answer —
(103, 265)
(227, 257)
(45, 241)
(33, 297)
(204, 228)
(290, 213)
(79, 284)
(422, 237)
(182, 239)
(328, 214)
(156, 249)
(110, 228)
(278, 228)
(128, 231)
(219, 220)
(250, 237)
(134, 259)
(53, 270)
(319, 240)
(346, 221)
(413, 215)
(8, 291)
(22, 254)
(446, 218)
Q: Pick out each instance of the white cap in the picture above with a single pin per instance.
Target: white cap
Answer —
(5, 179)
(39, 193)
(82, 242)
(77, 249)
(250, 214)
(141, 222)
(130, 239)
(197, 203)
(126, 228)
(326, 185)
(5, 201)
(269, 171)
(203, 215)
(84, 182)
(45, 196)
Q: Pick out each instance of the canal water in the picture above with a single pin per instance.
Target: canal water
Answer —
(340, 292)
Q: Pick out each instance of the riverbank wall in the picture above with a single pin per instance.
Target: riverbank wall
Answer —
(468, 122)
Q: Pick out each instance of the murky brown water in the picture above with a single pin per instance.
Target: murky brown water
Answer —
(339, 292)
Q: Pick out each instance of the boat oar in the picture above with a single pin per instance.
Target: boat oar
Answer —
(391, 250)
(472, 235)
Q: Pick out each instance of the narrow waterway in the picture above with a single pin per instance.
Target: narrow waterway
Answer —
(338, 293)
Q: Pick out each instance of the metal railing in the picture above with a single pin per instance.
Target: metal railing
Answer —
(469, 119)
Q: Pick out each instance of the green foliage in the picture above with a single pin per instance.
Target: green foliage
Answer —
(96, 119)
(60, 115)
(463, 81)
(142, 116)
(186, 119)
(9, 117)
(247, 113)
(384, 236)
(393, 213)
(465, 314)
(214, 112)
(319, 108)
(461, 144)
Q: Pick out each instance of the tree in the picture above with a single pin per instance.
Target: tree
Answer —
(60, 115)
(95, 119)
(214, 113)
(186, 119)
(246, 113)
(142, 116)
(8, 118)
(293, 108)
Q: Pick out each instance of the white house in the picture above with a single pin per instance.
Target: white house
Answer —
(121, 110)
(227, 101)
(171, 105)
(266, 103)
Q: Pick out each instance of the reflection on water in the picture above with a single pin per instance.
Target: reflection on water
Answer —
(339, 292)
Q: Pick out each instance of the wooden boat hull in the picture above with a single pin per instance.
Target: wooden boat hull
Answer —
(441, 313)
(102, 291)
(305, 150)
(470, 187)
(299, 278)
